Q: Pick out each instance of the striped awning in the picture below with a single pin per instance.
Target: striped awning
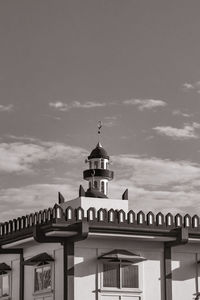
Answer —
(120, 255)
(40, 258)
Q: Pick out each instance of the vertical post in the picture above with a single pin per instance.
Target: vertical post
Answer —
(197, 276)
(21, 277)
(68, 258)
(167, 272)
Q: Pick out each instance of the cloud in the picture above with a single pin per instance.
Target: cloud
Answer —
(178, 112)
(187, 86)
(156, 172)
(154, 184)
(27, 199)
(145, 103)
(110, 121)
(21, 157)
(59, 106)
(75, 104)
(187, 132)
(157, 184)
(6, 108)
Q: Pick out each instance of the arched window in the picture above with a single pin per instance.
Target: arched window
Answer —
(102, 186)
(102, 164)
(96, 164)
(95, 184)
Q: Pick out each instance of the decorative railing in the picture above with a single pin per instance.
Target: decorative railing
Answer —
(98, 172)
(101, 216)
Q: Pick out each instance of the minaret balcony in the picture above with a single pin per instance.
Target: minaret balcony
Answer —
(107, 174)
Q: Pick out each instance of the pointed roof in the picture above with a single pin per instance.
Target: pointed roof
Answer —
(4, 267)
(43, 257)
(122, 255)
(98, 152)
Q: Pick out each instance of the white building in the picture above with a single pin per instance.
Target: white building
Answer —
(94, 248)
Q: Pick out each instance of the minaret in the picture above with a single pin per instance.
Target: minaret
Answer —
(98, 173)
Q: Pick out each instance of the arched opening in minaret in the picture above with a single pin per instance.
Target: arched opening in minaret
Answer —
(103, 187)
(102, 164)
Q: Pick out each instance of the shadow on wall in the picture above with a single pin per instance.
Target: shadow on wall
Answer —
(88, 267)
(185, 269)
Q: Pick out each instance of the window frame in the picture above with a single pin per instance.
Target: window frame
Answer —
(2, 274)
(48, 290)
(121, 289)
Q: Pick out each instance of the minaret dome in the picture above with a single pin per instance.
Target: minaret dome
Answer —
(98, 173)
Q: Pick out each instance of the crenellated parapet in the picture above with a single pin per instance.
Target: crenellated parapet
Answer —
(102, 216)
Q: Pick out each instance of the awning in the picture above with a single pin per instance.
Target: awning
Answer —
(4, 267)
(40, 258)
(120, 255)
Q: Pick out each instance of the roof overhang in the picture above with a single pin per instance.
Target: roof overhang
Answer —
(120, 255)
(40, 258)
(4, 267)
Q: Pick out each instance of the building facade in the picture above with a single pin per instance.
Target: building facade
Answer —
(95, 248)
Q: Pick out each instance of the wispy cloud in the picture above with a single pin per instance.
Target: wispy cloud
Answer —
(21, 157)
(187, 132)
(145, 103)
(178, 112)
(110, 121)
(157, 184)
(27, 199)
(188, 86)
(62, 106)
(6, 108)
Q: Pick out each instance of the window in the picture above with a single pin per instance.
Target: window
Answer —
(43, 277)
(120, 276)
(96, 164)
(103, 187)
(4, 285)
(102, 164)
(95, 184)
(90, 164)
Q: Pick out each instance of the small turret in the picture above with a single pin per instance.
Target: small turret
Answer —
(98, 173)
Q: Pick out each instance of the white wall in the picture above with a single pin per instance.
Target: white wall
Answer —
(184, 269)
(87, 280)
(87, 202)
(56, 251)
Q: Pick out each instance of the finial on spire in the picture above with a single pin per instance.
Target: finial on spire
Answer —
(99, 128)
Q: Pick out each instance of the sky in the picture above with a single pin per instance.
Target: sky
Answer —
(134, 65)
